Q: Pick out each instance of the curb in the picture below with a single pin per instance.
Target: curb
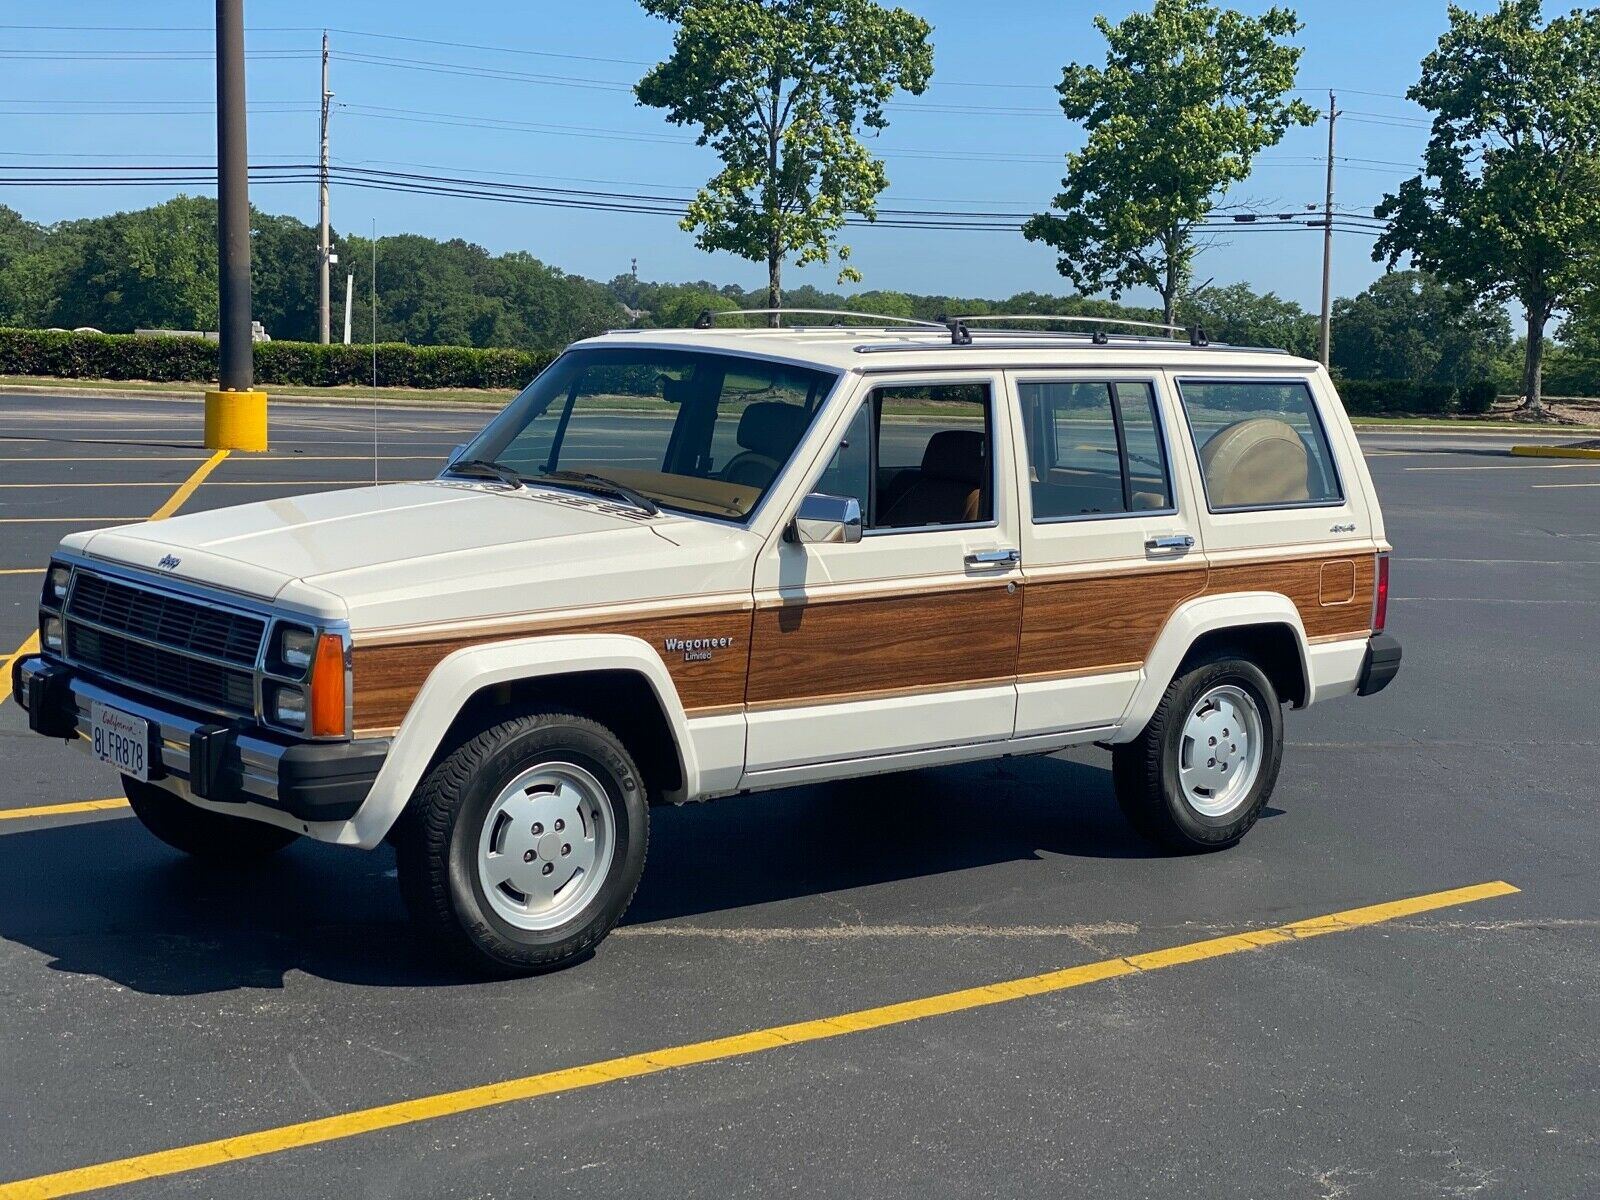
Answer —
(1584, 452)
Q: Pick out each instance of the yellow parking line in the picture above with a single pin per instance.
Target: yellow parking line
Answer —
(187, 487)
(22, 571)
(427, 1108)
(185, 490)
(269, 458)
(30, 646)
(62, 810)
(255, 483)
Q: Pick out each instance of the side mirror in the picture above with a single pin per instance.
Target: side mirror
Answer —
(822, 518)
(455, 454)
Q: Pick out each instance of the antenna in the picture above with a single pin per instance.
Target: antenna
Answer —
(374, 351)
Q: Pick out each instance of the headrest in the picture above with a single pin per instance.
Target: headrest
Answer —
(956, 454)
(771, 428)
(1260, 460)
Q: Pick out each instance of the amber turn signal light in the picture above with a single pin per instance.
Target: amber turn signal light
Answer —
(327, 687)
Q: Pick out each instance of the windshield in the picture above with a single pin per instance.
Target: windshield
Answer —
(701, 432)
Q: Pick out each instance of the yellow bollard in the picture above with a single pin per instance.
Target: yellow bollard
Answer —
(236, 420)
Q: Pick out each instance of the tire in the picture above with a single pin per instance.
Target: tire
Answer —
(486, 852)
(201, 832)
(1203, 809)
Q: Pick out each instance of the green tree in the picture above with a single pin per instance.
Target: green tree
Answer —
(781, 89)
(1190, 93)
(21, 242)
(1411, 325)
(1508, 203)
(1241, 317)
(154, 267)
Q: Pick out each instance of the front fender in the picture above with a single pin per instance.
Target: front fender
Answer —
(1192, 621)
(460, 675)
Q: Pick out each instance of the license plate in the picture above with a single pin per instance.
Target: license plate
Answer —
(120, 740)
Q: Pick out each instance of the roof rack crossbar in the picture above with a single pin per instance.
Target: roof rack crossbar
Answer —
(1077, 320)
(708, 317)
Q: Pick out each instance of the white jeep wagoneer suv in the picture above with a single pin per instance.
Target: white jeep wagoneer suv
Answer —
(695, 563)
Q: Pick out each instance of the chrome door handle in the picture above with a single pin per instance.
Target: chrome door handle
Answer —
(994, 558)
(1182, 543)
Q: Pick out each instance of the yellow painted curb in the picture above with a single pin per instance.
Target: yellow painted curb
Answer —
(1556, 452)
(236, 420)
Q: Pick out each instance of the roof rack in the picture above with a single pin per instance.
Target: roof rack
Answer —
(962, 336)
(708, 317)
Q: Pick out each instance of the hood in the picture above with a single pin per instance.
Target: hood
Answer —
(417, 553)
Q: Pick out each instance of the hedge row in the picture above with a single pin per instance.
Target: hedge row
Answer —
(1371, 397)
(298, 364)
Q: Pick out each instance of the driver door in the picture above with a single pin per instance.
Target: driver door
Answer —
(906, 640)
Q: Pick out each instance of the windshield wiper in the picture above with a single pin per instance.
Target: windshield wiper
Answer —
(589, 481)
(484, 468)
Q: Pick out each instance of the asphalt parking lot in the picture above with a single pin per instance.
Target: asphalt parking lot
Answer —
(1445, 1050)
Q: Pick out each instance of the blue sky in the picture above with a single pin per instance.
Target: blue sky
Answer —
(62, 101)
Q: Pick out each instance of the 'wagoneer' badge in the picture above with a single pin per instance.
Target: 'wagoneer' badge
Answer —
(697, 649)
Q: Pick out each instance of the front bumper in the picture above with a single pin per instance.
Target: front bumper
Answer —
(234, 763)
(1381, 664)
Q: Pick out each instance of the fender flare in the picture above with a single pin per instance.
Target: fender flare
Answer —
(462, 674)
(1192, 621)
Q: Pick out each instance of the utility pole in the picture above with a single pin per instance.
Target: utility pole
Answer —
(236, 414)
(324, 302)
(233, 202)
(1327, 243)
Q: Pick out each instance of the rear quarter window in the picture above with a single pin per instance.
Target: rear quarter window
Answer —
(1261, 444)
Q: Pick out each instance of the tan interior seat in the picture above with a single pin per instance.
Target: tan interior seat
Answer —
(768, 432)
(948, 489)
(1260, 460)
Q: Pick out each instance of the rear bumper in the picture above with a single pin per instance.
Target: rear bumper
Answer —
(228, 764)
(1381, 664)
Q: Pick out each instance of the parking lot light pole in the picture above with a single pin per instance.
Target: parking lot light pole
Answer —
(236, 414)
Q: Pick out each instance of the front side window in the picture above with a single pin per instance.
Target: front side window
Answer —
(1094, 449)
(917, 457)
(697, 431)
(1261, 443)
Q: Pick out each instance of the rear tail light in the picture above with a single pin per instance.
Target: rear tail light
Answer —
(327, 687)
(1380, 601)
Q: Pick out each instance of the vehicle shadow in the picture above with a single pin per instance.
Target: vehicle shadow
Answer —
(775, 846)
(104, 898)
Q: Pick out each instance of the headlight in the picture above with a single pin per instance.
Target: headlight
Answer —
(56, 584)
(288, 706)
(295, 647)
(50, 633)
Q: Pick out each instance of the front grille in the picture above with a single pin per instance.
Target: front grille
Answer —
(156, 617)
(177, 647)
(175, 674)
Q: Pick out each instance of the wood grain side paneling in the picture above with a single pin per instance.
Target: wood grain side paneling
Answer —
(843, 649)
(1073, 625)
(388, 677)
(1301, 581)
(1110, 622)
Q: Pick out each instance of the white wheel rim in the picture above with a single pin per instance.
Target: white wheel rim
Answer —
(546, 845)
(1222, 750)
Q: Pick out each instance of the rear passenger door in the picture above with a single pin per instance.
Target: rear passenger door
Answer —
(1108, 541)
(907, 639)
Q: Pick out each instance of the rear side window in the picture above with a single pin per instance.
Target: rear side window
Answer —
(1094, 449)
(1261, 444)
